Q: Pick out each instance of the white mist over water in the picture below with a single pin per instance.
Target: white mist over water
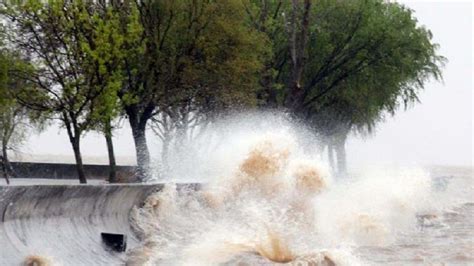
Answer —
(214, 153)
(268, 197)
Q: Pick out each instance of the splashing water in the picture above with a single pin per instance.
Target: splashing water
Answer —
(267, 200)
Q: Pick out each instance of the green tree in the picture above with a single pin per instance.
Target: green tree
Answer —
(15, 120)
(104, 54)
(73, 47)
(359, 60)
(397, 61)
(7, 116)
(193, 56)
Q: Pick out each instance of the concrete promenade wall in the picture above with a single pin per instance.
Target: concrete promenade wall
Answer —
(64, 222)
(67, 171)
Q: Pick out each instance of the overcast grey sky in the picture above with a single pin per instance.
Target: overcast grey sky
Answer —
(437, 131)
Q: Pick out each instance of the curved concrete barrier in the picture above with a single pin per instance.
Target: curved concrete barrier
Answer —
(64, 222)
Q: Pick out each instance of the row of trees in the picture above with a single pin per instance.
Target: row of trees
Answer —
(176, 66)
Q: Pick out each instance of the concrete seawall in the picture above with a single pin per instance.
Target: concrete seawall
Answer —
(64, 222)
(68, 171)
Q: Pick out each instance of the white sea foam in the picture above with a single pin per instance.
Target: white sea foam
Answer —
(269, 197)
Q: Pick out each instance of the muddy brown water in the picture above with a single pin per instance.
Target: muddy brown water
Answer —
(33, 224)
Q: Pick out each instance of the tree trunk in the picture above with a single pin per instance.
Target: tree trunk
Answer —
(141, 149)
(341, 157)
(268, 94)
(298, 39)
(77, 155)
(4, 170)
(165, 153)
(74, 134)
(332, 163)
(111, 153)
(6, 161)
(138, 121)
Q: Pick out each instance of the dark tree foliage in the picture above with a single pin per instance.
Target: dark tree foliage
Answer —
(194, 57)
(359, 60)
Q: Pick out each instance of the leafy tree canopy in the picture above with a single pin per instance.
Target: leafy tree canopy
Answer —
(363, 58)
